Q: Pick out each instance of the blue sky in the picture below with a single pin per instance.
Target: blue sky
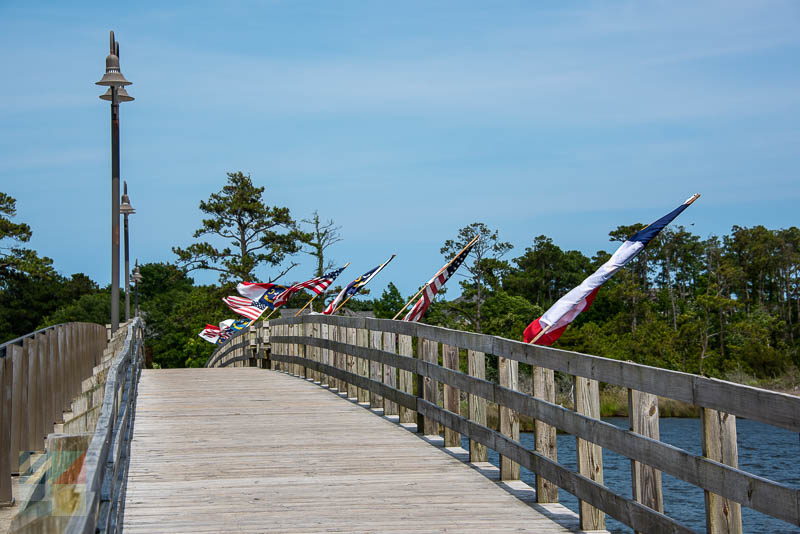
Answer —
(402, 121)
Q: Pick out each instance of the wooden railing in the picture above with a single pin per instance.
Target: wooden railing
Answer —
(399, 366)
(105, 467)
(40, 373)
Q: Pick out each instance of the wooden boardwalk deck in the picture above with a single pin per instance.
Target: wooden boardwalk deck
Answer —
(249, 450)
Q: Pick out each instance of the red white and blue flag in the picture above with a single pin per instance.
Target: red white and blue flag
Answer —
(254, 290)
(321, 283)
(252, 309)
(210, 333)
(436, 283)
(354, 287)
(548, 328)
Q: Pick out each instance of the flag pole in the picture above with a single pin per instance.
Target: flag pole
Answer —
(367, 282)
(446, 265)
(318, 294)
(542, 332)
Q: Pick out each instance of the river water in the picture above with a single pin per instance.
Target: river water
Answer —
(764, 450)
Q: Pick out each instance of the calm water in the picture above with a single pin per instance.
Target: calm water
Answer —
(763, 450)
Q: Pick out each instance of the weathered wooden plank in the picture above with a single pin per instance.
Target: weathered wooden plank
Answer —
(753, 403)
(362, 364)
(375, 367)
(451, 395)
(763, 495)
(646, 481)
(476, 367)
(6, 390)
(352, 365)
(625, 510)
(589, 455)
(405, 378)
(389, 373)
(430, 354)
(723, 516)
(544, 387)
(289, 477)
(508, 374)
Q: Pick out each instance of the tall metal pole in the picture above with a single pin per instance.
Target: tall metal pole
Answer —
(114, 209)
(127, 274)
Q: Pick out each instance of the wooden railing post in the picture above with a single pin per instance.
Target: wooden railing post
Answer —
(389, 373)
(352, 365)
(406, 378)
(375, 368)
(430, 389)
(508, 374)
(338, 361)
(476, 366)
(723, 516)
(312, 353)
(589, 455)
(19, 421)
(323, 332)
(646, 480)
(451, 395)
(6, 397)
(362, 340)
(544, 387)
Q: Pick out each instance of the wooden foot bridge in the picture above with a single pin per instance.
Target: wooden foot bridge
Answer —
(341, 424)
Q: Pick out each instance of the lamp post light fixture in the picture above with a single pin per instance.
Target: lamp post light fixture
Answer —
(137, 278)
(126, 209)
(116, 93)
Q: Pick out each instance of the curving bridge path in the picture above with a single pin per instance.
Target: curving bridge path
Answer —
(253, 450)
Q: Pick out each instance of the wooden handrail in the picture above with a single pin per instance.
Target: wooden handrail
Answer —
(346, 352)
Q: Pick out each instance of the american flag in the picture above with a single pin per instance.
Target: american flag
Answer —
(210, 333)
(354, 287)
(435, 284)
(321, 283)
(252, 309)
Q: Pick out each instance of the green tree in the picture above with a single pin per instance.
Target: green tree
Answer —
(251, 234)
(389, 302)
(484, 270)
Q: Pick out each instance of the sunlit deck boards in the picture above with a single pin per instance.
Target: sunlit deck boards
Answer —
(249, 450)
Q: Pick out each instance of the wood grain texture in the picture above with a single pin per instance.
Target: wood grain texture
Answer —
(389, 373)
(451, 395)
(508, 374)
(476, 367)
(646, 480)
(544, 387)
(6, 389)
(589, 455)
(375, 368)
(723, 516)
(430, 354)
(248, 450)
(405, 380)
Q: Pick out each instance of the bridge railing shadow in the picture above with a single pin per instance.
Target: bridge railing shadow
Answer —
(419, 372)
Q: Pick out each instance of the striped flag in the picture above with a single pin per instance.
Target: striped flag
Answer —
(354, 287)
(436, 283)
(321, 283)
(210, 333)
(256, 291)
(252, 309)
(548, 328)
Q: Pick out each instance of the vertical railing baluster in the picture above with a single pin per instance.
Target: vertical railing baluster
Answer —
(476, 367)
(6, 398)
(723, 516)
(362, 340)
(352, 364)
(430, 354)
(375, 368)
(544, 387)
(451, 395)
(643, 418)
(406, 378)
(389, 372)
(508, 373)
(589, 455)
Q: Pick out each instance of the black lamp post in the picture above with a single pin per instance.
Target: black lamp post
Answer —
(126, 209)
(116, 93)
(137, 278)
